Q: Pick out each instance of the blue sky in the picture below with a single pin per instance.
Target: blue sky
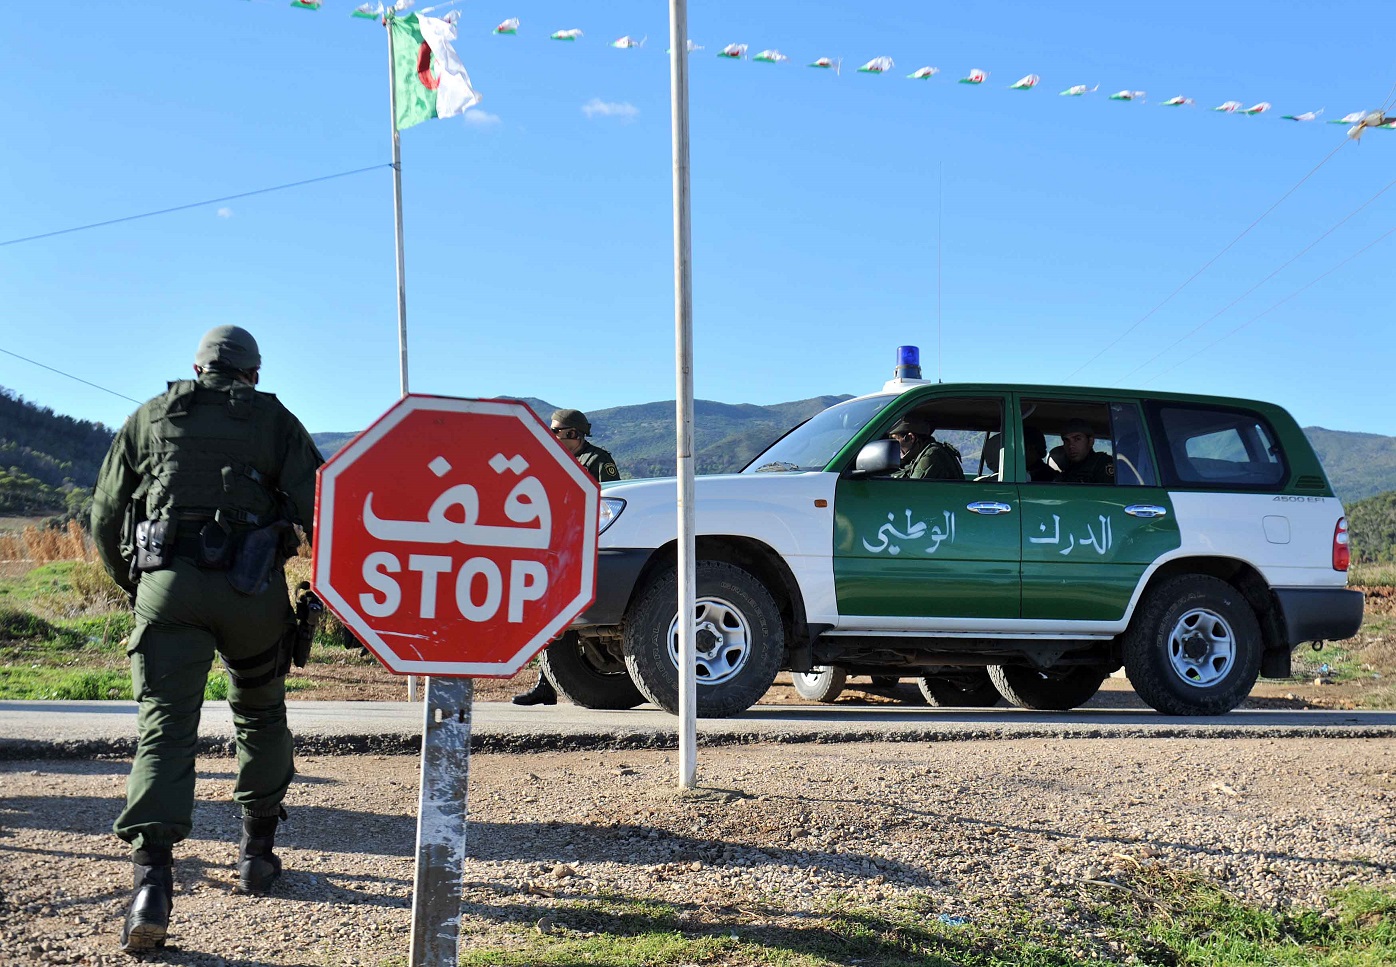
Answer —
(539, 257)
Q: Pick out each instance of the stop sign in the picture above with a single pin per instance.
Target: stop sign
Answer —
(455, 537)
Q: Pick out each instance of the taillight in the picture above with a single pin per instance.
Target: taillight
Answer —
(1341, 555)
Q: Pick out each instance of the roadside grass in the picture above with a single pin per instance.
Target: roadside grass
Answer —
(1372, 575)
(1155, 917)
(110, 684)
(1367, 660)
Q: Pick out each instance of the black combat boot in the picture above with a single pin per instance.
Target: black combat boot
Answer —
(148, 919)
(258, 866)
(541, 694)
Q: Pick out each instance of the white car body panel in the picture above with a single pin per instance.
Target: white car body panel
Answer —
(776, 509)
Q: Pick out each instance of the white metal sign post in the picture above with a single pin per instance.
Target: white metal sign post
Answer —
(455, 539)
(683, 352)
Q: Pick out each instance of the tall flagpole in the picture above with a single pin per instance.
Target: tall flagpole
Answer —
(401, 257)
(683, 377)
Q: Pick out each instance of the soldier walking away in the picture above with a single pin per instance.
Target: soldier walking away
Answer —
(193, 516)
(571, 428)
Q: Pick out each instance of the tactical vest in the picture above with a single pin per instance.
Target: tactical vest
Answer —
(202, 445)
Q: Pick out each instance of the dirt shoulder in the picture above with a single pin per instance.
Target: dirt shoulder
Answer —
(781, 836)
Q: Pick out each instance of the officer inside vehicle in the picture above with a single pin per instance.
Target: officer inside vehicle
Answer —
(1035, 448)
(923, 456)
(1083, 464)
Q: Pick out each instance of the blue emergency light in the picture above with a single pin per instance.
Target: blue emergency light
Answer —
(908, 363)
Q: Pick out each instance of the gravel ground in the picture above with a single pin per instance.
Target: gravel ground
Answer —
(777, 834)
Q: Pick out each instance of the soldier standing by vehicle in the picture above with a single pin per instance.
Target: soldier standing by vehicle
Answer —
(193, 516)
(571, 428)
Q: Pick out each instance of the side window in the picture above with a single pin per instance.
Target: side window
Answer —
(1134, 465)
(1068, 441)
(1219, 448)
(959, 438)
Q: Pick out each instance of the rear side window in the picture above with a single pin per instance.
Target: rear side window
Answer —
(1219, 448)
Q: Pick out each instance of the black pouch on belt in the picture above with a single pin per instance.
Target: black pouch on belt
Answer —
(256, 554)
(215, 545)
(154, 545)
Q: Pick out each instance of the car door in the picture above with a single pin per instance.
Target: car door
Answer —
(1086, 545)
(933, 548)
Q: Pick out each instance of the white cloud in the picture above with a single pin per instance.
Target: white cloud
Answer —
(480, 118)
(597, 108)
(225, 213)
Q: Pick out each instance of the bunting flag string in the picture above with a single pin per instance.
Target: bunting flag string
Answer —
(1358, 121)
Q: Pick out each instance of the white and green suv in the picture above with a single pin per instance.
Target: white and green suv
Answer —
(1215, 547)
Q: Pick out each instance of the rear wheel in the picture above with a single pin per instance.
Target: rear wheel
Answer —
(587, 675)
(959, 688)
(823, 683)
(1194, 647)
(1050, 690)
(740, 641)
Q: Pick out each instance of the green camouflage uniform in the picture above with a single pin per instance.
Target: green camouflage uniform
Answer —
(934, 461)
(597, 462)
(203, 446)
(1096, 468)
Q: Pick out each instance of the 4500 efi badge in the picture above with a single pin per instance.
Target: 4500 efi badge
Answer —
(991, 540)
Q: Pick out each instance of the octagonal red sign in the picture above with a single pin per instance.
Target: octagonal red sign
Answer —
(455, 537)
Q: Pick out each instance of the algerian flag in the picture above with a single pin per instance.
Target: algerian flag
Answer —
(1025, 83)
(368, 11)
(306, 4)
(428, 78)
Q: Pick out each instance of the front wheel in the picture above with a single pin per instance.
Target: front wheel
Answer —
(1194, 647)
(586, 675)
(1050, 690)
(740, 640)
(822, 683)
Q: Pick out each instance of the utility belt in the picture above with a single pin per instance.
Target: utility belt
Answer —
(248, 557)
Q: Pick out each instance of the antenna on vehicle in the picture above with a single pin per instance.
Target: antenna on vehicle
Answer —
(940, 345)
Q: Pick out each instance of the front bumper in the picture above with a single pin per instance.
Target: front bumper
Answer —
(1319, 614)
(617, 570)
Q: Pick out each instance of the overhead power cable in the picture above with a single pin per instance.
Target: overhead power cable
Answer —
(69, 375)
(1200, 326)
(1389, 232)
(193, 204)
(1206, 265)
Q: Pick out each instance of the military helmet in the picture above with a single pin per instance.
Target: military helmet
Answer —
(231, 346)
(571, 419)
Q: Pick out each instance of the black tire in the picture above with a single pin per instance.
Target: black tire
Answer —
(1053, 690)
(587, 676)
(959, 688)
(886, 681)
(1193, 647)
(823, 683)
(739, 652)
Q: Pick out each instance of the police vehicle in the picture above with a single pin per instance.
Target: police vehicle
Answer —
(1211, 547)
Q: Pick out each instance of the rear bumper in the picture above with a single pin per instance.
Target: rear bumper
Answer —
(1318, 614)
(617, 570)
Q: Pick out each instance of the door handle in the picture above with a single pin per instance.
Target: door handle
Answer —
(987, 507)
(1146, 510)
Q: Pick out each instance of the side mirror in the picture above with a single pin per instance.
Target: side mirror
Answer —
(879, 456)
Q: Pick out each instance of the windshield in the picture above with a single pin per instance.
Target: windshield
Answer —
(812, 444)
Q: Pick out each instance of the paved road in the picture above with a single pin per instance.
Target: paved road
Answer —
(87, 729)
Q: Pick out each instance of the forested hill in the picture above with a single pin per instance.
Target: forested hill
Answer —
(44, 456)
